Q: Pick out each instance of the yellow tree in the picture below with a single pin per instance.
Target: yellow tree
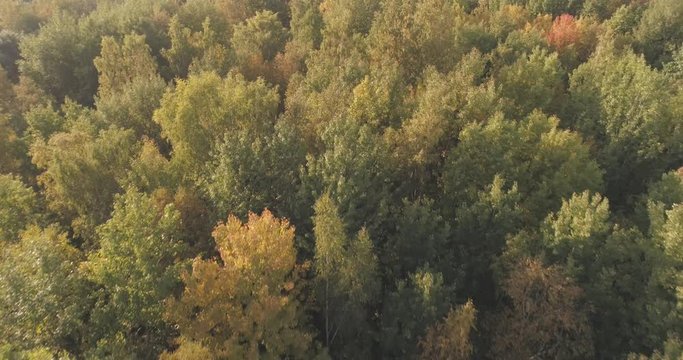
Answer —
(546, 319)
(247, 304)
(450, 338)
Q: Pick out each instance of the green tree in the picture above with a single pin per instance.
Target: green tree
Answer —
(18, 208)
(136, 267)
(129, 87)
(195, 115)
(237, 11)
(533, 82)
(624, 107)
(421, 238)
(660, 30)
(668, 238)
(43, 299)
(410, 309)
(82, 171)
(616, 266)
(9, 53)
(194, 51)
(347, 282)
(480, 229)
(11, 148)
(547, 163)
(257, 41)
(59, 58)
(122, 62)
(250, 172)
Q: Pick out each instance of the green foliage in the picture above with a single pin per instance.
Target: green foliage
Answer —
(195, 115)
(129, 89)
(417, 34)
(660, 31)
(481, 228)
(616, 266)
(11, 148)
(250, 172)
(623, 106)
(43, 122)
(346, 282)
(533, 82)
(18, 208)
(428, 152)
(259, 37)
(120, 63)
(136, 267)
(547, 163)
(422, 238)
(9, 53)
(193, 51)
(133, 106)
(82, 172)
(59, 58)
(668, 238)
(356, 171)
(43, 299)
(415, 304)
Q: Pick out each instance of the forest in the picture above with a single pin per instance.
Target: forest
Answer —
(341, 179)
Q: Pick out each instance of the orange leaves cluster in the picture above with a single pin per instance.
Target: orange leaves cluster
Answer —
(246, 306)
(564, 32)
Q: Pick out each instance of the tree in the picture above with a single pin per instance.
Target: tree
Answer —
(129, 87)
(553, 7)
(194, 51)
(574, 40)
(43, 298)
(18, 208)
(533, 82)
(347, 282)
(196, 114)
(248, 304)
(547, 316)
(546, 163)
(450, 337)
(616, 266)
(59, 58)
(136, 267)
(356, 171)
(659, 31)
(480, 229)
(416, 34)
(237, 11)
(11, 148)
(82, 170)
(421, 238)
(250, 172)
(668, 237)
(444, 104)
(661, 196)
(122, 62)
(623, 106)
(256, 43)
(133, 106)
(9, 53)
(416, 303)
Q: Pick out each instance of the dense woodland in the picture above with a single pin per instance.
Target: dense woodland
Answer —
(341, 179)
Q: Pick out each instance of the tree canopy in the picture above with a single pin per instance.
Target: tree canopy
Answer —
(341, 179)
